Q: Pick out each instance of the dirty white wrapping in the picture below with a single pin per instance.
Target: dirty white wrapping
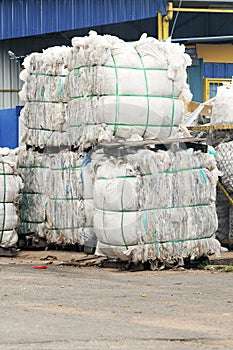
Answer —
(44, 116)
(130, 87)
(57, 199)
(224, 157)
(10, 185)
(44, 88)
(45, 95)
(223, 105)
(156, 206)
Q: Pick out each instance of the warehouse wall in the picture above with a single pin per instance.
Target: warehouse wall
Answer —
(9, 80)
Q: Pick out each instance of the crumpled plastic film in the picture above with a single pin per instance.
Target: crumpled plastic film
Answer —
(223, 105)
(129, 87)
(224, 156)
(156, 206)
(10, 186)
(58, 197)
(45, 93)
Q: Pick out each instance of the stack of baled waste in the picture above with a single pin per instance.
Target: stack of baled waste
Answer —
(10, 187)
(57, 201)
(156, 206)
(45, 95)
(223, 140)
(120, 89)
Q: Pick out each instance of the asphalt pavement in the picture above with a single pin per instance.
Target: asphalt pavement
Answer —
(72, 307)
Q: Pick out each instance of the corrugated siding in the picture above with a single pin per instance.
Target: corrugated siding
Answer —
(9, 127)
(9, 80)
(33, 17)
(218, 70)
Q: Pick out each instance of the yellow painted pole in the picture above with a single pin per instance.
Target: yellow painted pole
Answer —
(165, 29)
(160, 26)
(166, 20)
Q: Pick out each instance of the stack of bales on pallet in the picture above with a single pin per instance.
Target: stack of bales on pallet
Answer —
(56, 205)
(156, 206)
(223, 141)
(57, 201)
(11, 184)
(148, 206)
(119, 89)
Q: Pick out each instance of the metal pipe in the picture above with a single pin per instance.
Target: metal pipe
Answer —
(204, 38)
(9, 90)
(183, 9)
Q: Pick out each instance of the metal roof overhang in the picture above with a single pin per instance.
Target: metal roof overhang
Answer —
(32, 17)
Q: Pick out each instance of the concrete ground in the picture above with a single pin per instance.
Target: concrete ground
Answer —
(72, 307)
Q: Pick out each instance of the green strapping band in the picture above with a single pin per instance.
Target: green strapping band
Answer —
(117, 99)
(103, 223)
(33, 167)
(42, 101)
(173, 108)
(32, 222)
(47, 75)
(125, 124)
(69, 168)
(160, 242)
(31, 193)
(4, 206)
(151, 209)
(60, 82)
(67, 199)
(122, 215)
(66, 228)
(147, 95)
(45, 129)
(119, 67)
(161, 172)
(119, 95)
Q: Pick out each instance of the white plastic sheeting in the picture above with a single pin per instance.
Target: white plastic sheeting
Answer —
(156, 206)
(57, 201)
(45, 94)
(114, 89)
(223, 105)
(129, 88)
(224, 152)
(10, 185)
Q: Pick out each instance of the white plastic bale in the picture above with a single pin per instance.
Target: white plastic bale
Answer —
(51, 61)
(58, 198)
(131, 116)
(223, 105)
(130, 87)
(44, 88)
(11, 185)
(224, 156)
(45, 94)
(156, 206)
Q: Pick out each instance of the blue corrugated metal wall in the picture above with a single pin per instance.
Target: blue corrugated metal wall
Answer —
(218, 70)
(21, 18)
